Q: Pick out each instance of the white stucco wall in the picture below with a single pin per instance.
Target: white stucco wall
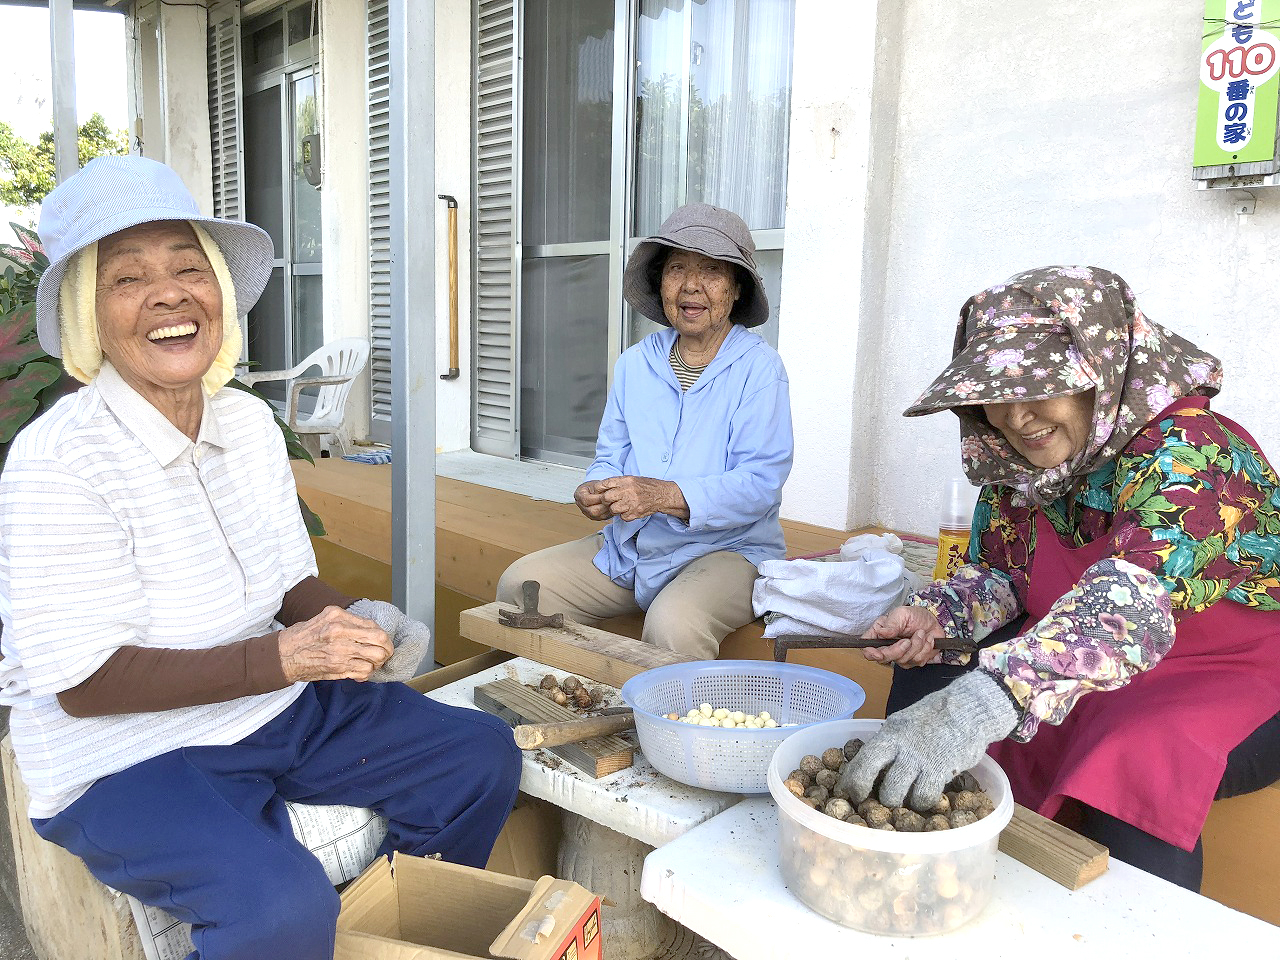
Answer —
(1020, 141)
(344, 194)
(840, 169)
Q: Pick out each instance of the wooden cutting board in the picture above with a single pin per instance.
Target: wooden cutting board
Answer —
(515, 703)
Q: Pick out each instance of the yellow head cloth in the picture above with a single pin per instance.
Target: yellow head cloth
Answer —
(78, 315)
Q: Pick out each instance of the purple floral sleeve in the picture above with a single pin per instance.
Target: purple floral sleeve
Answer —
(970, 604)
(1115, 623)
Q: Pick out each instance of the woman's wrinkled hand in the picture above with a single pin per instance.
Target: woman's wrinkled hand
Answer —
(634, 497)
(333, 645)
(914, 629)
(590, 500)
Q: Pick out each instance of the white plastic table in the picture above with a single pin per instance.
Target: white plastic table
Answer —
(610, 824)
(638, 802)
(722, 881)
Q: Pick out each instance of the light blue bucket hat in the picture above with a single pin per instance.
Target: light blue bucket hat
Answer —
(114, 193)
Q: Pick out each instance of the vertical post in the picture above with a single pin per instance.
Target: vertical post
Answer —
(412, 67)
(62, 53)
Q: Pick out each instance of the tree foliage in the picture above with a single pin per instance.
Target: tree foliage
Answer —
(27, 168)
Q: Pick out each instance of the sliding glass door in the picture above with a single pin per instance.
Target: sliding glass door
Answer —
(631, 108)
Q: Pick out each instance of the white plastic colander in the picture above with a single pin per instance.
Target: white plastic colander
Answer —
(732, 759)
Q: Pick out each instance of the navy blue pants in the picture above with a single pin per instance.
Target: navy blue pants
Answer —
(202, 832)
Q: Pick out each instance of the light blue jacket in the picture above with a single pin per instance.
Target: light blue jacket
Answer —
(727, 444)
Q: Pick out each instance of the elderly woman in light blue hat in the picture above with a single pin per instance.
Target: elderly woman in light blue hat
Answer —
(694, 447)
(175, 668)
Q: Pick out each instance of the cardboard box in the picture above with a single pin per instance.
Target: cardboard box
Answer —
(530, 840)
(410, 908)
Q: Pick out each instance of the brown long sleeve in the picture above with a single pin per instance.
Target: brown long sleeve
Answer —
(145, 679)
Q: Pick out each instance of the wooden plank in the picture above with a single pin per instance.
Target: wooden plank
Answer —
(363, 483)
(470, 567)
(1047, 847)
(586, 651)
(515, 703)
(442, 676)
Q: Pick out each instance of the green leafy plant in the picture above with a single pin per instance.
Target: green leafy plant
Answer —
(31, 381)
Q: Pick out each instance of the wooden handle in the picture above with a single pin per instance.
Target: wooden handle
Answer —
(530, 736)
(453, 288)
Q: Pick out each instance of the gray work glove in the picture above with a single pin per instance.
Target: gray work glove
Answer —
(410, 638)
(921, 748)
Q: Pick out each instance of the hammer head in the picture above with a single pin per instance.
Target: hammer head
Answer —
(528, 617)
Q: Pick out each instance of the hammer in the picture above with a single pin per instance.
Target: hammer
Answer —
(528, 618)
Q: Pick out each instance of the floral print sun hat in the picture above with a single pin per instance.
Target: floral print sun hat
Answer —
(1051, 332)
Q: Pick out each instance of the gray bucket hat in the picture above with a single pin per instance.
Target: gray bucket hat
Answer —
(712, 232)
(114, 193)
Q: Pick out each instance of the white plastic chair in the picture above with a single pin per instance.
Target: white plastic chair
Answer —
(340, 362)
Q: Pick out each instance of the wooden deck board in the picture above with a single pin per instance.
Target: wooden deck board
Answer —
(354, 500)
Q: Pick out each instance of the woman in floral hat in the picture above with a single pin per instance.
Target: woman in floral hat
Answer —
(1125, 546)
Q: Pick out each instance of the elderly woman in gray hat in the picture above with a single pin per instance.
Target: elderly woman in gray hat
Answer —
(176, 671)
(694, 447)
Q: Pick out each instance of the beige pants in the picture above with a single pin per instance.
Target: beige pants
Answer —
(708, 599)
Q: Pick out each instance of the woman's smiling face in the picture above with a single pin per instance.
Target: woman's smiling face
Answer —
(1047, 432)
(159, 306)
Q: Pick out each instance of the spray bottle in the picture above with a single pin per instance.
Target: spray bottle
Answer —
(958, 500)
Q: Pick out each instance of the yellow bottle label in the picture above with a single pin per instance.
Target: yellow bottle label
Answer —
(953, 552)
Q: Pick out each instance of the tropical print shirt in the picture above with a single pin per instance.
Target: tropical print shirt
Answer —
(1192, 515)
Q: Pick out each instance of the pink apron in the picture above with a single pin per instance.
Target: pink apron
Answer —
(1151, 753)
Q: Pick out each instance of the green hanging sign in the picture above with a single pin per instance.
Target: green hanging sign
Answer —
(1239, 82)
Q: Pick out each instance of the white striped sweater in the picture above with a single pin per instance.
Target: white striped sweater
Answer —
(116, 530)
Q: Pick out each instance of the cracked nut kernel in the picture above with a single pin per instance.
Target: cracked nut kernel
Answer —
(803, 777)
(838, 808)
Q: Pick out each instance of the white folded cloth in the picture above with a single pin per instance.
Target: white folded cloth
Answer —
(834, 598)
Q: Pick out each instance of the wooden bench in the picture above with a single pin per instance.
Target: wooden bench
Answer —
(480, 531)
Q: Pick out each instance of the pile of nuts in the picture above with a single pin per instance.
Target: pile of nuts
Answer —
(570, 692)
(706, 715)
(815, 781)
(907, 894)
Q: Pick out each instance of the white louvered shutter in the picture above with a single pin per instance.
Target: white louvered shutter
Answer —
(223, 63)
(378, 83)
(495, 230)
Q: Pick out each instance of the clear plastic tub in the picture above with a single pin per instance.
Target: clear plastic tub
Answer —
(734, 759)
(877, 881)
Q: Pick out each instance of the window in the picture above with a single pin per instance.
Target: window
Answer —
(579, 157)
(279, 119)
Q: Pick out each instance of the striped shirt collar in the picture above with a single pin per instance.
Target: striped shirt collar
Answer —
(162, 439)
